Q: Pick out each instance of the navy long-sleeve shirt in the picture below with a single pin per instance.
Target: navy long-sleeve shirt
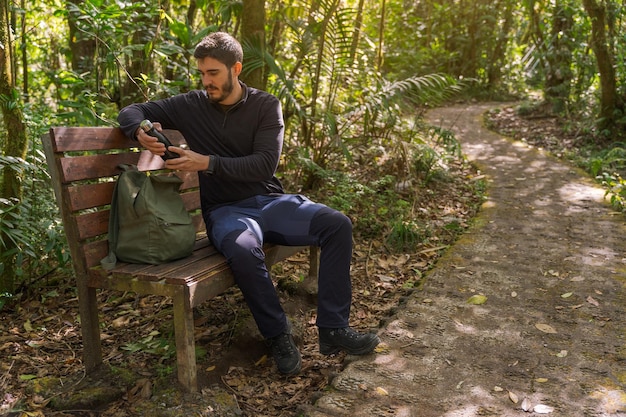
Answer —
(244, 142)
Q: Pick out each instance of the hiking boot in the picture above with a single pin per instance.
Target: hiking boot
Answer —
(285, 353)
(334, 340)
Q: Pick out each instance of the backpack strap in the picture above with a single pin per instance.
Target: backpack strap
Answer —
(109, 261)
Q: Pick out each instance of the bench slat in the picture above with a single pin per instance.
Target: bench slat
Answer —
(69, 139)
(92, 167)
(86, 196)
(92, 224)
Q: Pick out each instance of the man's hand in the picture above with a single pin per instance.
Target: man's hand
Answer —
(150, 142)
(188, 161)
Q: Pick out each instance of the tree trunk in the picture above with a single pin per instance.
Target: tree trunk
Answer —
(498, 57)
(16, 142)
(358, 23)
(380, 53)
(25, 83)
(83, 47)
(559, 57)
(605, 62)
(139, 62)
(253, 32)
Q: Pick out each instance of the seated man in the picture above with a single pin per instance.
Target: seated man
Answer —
(235, 136)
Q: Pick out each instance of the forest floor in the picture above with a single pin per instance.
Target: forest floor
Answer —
(40, 340)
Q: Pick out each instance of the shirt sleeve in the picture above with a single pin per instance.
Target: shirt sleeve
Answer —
(131, 116)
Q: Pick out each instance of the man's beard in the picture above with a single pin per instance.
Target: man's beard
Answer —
(226, 89)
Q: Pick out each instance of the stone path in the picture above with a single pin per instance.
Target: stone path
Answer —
(549, 255)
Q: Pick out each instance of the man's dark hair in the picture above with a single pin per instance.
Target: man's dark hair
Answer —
(220, 46)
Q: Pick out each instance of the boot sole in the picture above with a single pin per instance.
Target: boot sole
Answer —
(327, 350)
(296, 369)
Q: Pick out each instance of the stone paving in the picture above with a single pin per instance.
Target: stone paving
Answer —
(549, 256)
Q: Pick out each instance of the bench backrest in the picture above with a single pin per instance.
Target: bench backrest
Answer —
(84, 164)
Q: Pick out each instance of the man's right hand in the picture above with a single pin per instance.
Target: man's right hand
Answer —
(150, 142)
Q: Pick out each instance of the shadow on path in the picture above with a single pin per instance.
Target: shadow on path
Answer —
(549, 255)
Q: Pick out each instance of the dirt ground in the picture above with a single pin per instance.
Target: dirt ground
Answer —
(523, 315)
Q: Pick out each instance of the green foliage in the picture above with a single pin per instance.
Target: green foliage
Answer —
(609, 168)
(406, 235)
(32, 225)
(612, 159)
(330, 105)
(375, 202)
(153, 344)
(615, 190)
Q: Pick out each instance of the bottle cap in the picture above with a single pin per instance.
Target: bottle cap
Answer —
(146, 125)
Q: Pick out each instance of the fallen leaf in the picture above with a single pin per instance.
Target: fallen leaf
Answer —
(526, 404)
(566, 295)
(385, 278)
(541, 380)
(546, 328)
(121, 321)
(513, 397)
(28, 326)
(477, 299)
(381, 391)
(562, 354)
(498, 389)
(543, 409)
(142, 389)
(592, 301)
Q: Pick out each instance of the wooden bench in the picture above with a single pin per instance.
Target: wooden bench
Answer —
(83, 164)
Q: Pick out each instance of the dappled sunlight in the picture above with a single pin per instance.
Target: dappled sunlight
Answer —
(577, 192)
(392, 361)
(464, 328)
(613, 401)
(597, 256)
(469, 410)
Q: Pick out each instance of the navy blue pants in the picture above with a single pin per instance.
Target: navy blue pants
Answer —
(238, 231)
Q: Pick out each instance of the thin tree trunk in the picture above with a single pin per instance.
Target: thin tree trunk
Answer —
(16, 142)
(83, 48)
(496, 63)
(604, 58)
(559, 57)
(253, 31)
(358, 23)
(381, 37)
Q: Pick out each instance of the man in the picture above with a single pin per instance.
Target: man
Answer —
(235, 137)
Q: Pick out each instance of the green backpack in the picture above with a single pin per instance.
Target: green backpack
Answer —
(148, 222)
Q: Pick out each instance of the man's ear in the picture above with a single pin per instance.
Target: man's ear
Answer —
(237, 68)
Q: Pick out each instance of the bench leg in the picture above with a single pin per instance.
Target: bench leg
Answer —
(89, 327)
(310, 281)
(185, 341)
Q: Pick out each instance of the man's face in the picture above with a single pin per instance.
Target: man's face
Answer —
(217, 80)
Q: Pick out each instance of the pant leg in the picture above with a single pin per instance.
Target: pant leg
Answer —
(236, 233)
(295, 220)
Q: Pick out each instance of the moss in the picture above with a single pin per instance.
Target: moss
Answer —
(87, 398)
